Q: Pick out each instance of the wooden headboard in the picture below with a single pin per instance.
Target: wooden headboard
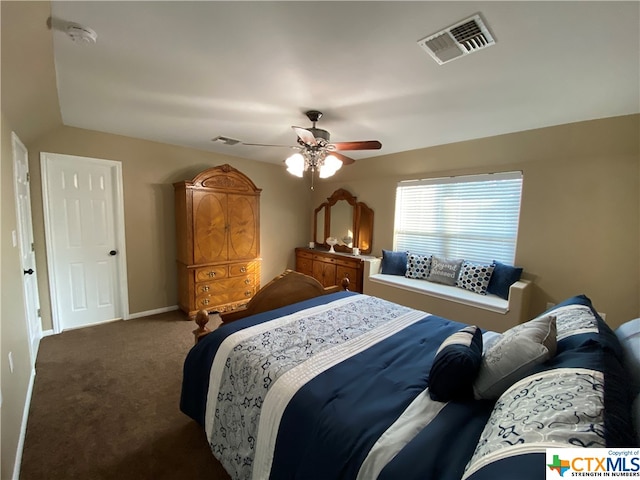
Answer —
(287, 288)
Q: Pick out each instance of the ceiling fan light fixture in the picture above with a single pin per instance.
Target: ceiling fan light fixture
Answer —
(295, 164)
(330, 166)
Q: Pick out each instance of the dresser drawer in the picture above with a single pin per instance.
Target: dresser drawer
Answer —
(348, 262)
(323, 258)
(351, 274)
(303, 254)
(304, 265)
(211, 273)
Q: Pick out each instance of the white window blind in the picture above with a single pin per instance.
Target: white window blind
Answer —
(472, 217)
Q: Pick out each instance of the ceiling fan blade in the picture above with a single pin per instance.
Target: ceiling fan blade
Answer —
(345, 160)
(269, 145)
(363, 145)
(305, 135)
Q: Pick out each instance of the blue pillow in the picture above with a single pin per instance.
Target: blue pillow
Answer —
(456, 365)
(502, 278)
(394, 263)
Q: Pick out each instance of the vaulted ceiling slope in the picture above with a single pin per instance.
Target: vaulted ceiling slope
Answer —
(186, 72)
(28, 97)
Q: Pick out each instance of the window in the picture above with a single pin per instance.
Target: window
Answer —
(472, 217)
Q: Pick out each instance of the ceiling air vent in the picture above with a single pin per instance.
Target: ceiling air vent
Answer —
(225, 140)
(458, 40)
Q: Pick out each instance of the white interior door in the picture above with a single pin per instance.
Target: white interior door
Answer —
(85, 240)
(24, 240)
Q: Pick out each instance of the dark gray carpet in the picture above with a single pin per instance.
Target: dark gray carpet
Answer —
(105, 405)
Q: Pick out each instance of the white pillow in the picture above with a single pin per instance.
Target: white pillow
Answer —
(635, 415)
(514, 355)
(629, 336)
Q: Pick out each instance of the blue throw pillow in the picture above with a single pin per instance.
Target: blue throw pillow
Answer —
(394, 263)
(502, 278)
(456, 365)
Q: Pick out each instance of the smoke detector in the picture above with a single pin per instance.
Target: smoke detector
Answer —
(81, 34)
(462, 38)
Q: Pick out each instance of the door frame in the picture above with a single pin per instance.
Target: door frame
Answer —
(29, 310)
(115, 167)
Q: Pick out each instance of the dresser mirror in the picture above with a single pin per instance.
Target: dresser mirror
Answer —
(346, 219)
(319, 215)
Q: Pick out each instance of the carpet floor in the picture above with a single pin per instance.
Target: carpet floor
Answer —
(105, 405)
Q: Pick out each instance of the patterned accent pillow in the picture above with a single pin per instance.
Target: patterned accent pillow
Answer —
(418, 266)
(563, 406)
(514, 356)
(475, 277)
(456, 365)
(444, 270)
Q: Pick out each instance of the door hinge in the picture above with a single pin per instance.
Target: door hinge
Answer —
(33, 249)
(39, 313)
(28, 177)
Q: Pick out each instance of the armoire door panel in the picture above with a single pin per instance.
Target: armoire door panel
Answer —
(243, 240)
(210, 227)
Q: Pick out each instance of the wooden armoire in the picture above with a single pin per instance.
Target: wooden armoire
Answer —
(217, 240)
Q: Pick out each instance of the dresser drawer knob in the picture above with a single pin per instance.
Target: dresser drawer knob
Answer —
(211, 274)
(247, 281)
(247, 293)
(205, 288)
(243, 269)
(205, 301)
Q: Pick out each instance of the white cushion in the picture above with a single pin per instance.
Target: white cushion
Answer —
(629, 336)
(514, 355)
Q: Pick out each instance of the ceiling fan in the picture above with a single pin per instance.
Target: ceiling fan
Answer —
(316, 152)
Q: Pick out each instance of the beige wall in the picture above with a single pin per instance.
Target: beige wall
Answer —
(149, 171)
(580, 215)
(579, 224)
(13, 320)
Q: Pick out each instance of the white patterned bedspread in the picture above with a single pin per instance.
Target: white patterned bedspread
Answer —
(258, 370)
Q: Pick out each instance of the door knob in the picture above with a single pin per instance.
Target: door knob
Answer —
(28, 272)
(112, 253)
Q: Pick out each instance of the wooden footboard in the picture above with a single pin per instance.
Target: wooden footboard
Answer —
(287, 288)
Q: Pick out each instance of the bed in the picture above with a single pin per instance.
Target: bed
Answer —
(348, 386)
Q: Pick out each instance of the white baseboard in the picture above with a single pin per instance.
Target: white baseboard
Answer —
(23, 427)
(152, 312)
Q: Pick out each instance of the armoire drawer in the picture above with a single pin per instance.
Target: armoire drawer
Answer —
(228, 296)
(211, 273)
(232, 283)
(237, 269)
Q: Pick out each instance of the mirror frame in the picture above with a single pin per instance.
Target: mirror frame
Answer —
(362, 222)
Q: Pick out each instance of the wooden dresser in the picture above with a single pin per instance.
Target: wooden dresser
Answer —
(330, 268)
(217, 240)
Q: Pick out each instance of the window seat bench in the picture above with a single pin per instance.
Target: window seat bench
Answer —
(487, 311)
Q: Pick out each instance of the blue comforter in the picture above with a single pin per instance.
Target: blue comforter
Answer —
(276, 404)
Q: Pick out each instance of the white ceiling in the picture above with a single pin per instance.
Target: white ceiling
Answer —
(185, 72)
